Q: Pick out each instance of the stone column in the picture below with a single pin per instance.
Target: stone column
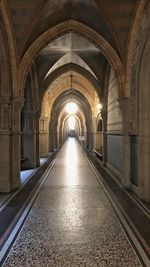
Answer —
(144, 122)
(144, 155)
(44, 137)
(104, 137)
(10, 110)
(97, 141)
(144, 138)
(29, 140)
(60, 135)
(51, 141)
(37, 134)
(57, 139)
(125, 108)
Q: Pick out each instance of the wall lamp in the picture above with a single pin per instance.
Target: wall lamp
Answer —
(99, 107)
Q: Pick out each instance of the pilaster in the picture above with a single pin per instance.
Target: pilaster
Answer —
(29, 139)
(44, 137)
(104, 137)
(10, 110)
(125, 108)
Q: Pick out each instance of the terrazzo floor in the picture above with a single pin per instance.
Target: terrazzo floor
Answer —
(72, 222)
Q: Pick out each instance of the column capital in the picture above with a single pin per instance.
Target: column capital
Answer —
(5, 99)
(5, 115)
(18, 100)
(10, 110)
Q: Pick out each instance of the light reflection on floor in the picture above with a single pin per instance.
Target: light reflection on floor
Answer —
(72, 161)
(72, 222)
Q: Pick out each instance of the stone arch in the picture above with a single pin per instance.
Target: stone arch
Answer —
(57, 106)
(71, 67)
(79, 28)
(5, 71)
(131, 46)
(141, 34)
(63, 122)
(104, 14)
(10, 46)
(71, 57)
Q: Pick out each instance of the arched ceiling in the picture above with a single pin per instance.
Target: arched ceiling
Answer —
(62, 84)
(62, 99)
(65, 49)
(71, 67)
(59, 114)
(110, 18)
(89, 33)
(63, 122)
(71, 48)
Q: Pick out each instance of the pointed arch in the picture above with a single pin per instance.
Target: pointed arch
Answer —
(79, 28)
(70, 67)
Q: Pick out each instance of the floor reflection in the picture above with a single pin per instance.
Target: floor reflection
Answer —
(72, 222)
(71, 161)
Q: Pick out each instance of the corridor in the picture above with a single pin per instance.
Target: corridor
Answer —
(72, 222)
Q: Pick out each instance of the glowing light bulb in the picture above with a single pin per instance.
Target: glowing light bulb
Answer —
(99, 107)
(71, 108)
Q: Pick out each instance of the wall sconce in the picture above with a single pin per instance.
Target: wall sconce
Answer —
(99, 107)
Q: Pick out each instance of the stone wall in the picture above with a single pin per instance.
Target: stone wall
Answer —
(140, 105)
(114, 126)
(114, 117)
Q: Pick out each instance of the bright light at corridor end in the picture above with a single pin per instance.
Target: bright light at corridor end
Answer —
(71, 122)
(71, 108)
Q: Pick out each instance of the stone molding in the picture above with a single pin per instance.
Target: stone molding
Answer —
(10, 110)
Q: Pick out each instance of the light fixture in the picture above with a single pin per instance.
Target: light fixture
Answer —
(71, 108)
(71, 88)
(71, 91)
(99, 107)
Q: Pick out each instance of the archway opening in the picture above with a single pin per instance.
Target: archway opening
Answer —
(71, 108)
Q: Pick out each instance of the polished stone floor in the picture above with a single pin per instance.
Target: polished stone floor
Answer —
(72, 222)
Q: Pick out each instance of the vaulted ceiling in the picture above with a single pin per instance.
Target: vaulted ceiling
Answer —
(110, 19)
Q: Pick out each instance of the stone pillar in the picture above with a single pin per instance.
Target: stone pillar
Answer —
(60, 136)
(144, 122)
(144, 139)
(29, 140)
(57, 140)
(51, 139)
(125, 108)
(10, 110)
(144, 155)
(53, 136)
(44, 137)
(98, 141)
(104, 137)
(37, 134)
